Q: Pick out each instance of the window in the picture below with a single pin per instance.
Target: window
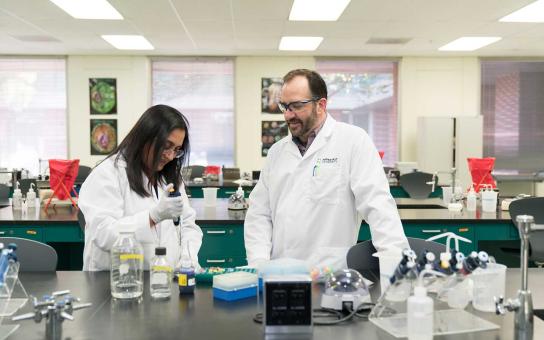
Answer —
(32, 96)
(203, 90)
(513, 110)
(364, 93)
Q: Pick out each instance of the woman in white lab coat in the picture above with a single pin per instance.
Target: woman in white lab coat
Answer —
(131, 186)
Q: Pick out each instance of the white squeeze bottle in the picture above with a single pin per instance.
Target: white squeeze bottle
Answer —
(471, 200)
(31, 197)
(420, 310)
(17, 198)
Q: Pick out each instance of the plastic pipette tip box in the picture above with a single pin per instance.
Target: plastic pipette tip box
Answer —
(207, 274)
(234, 286)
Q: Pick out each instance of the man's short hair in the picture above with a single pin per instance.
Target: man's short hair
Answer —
(318, 87)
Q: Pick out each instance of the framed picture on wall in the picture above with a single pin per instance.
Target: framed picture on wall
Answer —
(103, 136)
(271, 132)
(103, 96)
(270, 94)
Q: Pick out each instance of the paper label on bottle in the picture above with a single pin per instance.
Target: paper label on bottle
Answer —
(161, 268)
(191, 282)
(125, 257)
(159, 279)
(182, 279)
(123, 269)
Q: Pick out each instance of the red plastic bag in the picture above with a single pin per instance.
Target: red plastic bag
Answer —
(63, 173)
(381, 154)
(212, 170)
(480, 170)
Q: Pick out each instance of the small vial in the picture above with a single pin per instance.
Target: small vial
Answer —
(161, 275)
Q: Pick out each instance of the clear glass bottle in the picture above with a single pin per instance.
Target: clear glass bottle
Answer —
(127, 263)
(160, 275)
(186, 275)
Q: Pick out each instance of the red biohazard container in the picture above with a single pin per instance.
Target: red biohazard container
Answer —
(480, 170)
(212, 170)
(63, 173)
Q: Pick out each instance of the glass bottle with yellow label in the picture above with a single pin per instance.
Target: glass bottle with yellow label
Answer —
(186, 275)
(127, 263)
(160, 275)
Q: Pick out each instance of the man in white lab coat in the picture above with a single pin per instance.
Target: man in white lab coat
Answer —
(317, 185)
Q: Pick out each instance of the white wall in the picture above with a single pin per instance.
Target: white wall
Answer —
(435, 87)
(247, 84)
(133, 97)
(428, 87)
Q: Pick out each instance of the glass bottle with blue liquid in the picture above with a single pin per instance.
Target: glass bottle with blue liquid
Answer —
(186, 274)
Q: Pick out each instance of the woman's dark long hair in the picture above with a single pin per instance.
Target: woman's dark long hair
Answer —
(150, 135)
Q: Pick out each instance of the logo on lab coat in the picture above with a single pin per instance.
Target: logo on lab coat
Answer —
(321, 161)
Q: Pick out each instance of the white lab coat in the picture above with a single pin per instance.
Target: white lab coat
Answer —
(106, 199)
(311, 207)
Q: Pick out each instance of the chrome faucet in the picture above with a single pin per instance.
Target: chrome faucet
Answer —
(523, 304)
(452, 173)
(56, 308)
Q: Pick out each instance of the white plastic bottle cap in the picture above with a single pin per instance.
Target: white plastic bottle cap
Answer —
(126, 227)
(420, 291)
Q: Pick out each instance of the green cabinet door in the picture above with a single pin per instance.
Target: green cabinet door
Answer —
(27, 232)
(63, 233)
(194, 192)
(222, 246)
(426, 230)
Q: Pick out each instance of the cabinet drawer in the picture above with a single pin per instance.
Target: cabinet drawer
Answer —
(63, 234)
(222, 261)
(426, 231)
(31, 233)
(225, 241)
(227, 192)
(194, 192)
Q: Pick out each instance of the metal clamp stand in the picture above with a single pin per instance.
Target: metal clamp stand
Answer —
(523, 304)
(54, 311)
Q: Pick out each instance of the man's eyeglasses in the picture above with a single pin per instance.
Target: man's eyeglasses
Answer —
(296, 106)
(177, 151)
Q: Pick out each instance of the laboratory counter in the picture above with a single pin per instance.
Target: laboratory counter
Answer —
(223, 230)
(202, 317)
(218, 214)
(227, 188)
(54, 215)
(413, 210)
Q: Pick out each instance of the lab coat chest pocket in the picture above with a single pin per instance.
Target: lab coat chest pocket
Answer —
(325, 184)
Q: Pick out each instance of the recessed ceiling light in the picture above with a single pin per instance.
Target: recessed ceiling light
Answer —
(87, 9)
(469, 43)
(300, 43)
(533, 12)
(317, 10)
(128, 42)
